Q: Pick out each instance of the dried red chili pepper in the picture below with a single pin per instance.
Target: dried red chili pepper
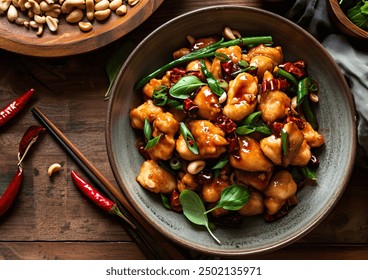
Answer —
(190, 108)
(225, 123)
(95, 196)
(11, 192)
(234, 146)
(10, 111)
(274, 84)
(293, 69)
(175, 201)
(177, 74)
(276, 128)
(28, 139)
(299, 122)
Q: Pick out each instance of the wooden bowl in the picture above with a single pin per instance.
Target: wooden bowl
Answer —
(342, 22)
(335, 114)
(69, 39)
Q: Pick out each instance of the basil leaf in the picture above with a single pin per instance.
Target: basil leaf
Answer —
(194, 210)
(189, 139)
(232, 198)
(185, 87)
(147, 130)
(211, 80)
(284, 142)
(174, 104)
(151, 143)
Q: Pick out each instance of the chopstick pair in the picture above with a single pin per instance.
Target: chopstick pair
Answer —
(152, 243)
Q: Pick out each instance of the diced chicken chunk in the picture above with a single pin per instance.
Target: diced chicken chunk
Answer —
(209, 138)
(271, 147)
(212, 192)
(254, 206)
(208, 104)
(250, 156)
(241, 97)
(281, 187)
(147, 111)
(233, 52)
(156, 179)
(166, 126)
(314, 139)
(258, 180)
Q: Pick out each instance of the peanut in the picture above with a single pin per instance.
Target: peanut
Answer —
(90, 9)
(85, 26)
(115, 4)
(12, 13)
(122, 10)
(53, 168)
(102, 15)
(52, 23)
(75, 16)
(103, 5)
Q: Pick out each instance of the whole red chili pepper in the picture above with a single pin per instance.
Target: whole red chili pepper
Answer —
(10, 193)
(95, 196)
(8, 112)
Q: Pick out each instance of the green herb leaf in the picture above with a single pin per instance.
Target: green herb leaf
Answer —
(189, 139)
(174, 104)
(285, 74)
(185, 87)
(232, 198)
(193, 209)
(115, 61)
(151, 143)
(147, 130)
(284, 142)
(243, 64)
(212, 82)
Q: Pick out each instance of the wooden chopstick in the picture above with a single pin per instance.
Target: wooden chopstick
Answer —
(152, 243)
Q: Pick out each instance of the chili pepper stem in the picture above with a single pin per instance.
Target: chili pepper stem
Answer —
(116, 211)
(27, 149)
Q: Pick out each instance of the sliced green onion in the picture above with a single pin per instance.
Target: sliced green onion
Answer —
(285, 74)
(303, 90)
(189, 139)
(308, 173)
(284, 142)
(153, 142)
(221, 163)
(175, 163)
(147, 130)
(159, 96)
(222, 56)
(252, 118)
(165, 202)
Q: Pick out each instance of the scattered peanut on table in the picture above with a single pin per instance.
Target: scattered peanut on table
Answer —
(39, 14)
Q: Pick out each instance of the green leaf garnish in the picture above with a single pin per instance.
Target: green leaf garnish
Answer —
(212, 82)
(185, 87)
(308, 173)
(194, 210)
(232, 198)
(165, 201)
(252, 118)
(189, 139)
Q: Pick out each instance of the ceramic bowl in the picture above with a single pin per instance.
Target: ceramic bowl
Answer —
(343, 23)
(335, 113)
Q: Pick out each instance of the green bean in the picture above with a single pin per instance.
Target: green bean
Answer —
(205, 52)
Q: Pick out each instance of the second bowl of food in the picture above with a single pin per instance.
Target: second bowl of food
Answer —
(231, 146)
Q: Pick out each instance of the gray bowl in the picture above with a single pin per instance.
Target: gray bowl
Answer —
(335, 113)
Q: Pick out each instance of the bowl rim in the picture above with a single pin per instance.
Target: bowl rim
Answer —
(346, 23)
(218, 251)
(83, 42)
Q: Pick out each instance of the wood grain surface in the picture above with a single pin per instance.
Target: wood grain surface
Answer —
(52, 220)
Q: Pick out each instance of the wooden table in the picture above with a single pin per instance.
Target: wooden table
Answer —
(52, 220)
